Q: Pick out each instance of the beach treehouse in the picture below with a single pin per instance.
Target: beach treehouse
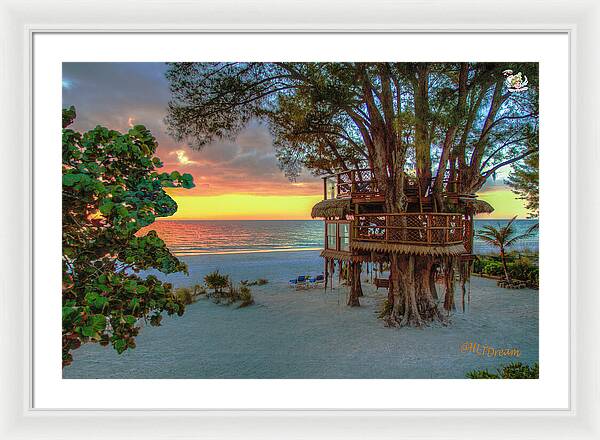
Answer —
(358, 229)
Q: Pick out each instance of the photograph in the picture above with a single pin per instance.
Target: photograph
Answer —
(300, 220)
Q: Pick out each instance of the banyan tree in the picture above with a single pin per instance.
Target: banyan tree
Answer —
(403, 149)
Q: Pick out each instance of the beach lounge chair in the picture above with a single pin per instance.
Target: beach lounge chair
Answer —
(317, 281)
(299, 283)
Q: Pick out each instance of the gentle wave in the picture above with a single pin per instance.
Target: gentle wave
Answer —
(190, 253)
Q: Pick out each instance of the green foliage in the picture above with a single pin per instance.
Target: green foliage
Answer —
(216, 282)
(246, 296)
(493, 268)
(189, 295)
(519, 371)
(232, 294)
(225, 291)
(515, 370)
(481, 374)
(525, 181)
(386, 309)
(258, 282)
(521, 268)
(184, 295)
(199, 290)
(110, 190)
(478, 265)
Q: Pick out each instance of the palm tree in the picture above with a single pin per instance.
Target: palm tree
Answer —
(504, 237)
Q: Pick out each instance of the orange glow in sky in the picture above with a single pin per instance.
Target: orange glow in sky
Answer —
(244, 207)
(298, 207)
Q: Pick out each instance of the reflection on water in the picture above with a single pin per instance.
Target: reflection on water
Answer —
(193, 237)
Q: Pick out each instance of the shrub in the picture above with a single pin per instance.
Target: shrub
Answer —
(493, 268)
(478, 265)
(481, 374)
(189, 295)
(199, 290)
(386, 309)
(525, 270)
(520, 267)
(258, 282)
(216, 282)
(246, 296)
(515, 370)
(225, 290)
(184, 294)
(534, 277)
(232, 294)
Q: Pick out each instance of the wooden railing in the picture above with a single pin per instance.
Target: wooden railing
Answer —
(410, 228)
(361, 183)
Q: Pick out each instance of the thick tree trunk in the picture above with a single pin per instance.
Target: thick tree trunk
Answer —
(432, 274)
(449, 282)
(412, 291)
(355, 286)
(395, 292)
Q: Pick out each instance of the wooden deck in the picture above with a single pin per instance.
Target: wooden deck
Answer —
(419, 233)
(425, 229)
(361, 187)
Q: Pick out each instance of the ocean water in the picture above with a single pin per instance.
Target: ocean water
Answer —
(520, 226)
(206, 237)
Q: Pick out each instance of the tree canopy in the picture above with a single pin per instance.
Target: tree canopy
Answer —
(110, 190)
(438, 122)
(392, 117)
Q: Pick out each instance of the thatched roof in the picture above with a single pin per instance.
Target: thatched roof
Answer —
(331, 208)
(346, 256)
(376, 246)
(478, 206)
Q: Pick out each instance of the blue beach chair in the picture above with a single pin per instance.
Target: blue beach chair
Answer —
(299, 283)
(317, 281)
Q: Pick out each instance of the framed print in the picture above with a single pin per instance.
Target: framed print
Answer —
(361, 224)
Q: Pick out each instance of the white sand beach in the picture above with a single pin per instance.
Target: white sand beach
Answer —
(313, 334)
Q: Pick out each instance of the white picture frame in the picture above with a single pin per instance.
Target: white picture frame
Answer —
(19, 21)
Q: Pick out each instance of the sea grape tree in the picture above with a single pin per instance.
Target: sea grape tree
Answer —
(110, 190)
(429, 120)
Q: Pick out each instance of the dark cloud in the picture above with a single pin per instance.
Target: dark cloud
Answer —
(118, 95)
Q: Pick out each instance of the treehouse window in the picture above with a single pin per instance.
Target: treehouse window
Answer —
(330, 189)
(344, 237)
(331, 235)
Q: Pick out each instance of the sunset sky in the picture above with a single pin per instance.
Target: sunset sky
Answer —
(236, 179)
